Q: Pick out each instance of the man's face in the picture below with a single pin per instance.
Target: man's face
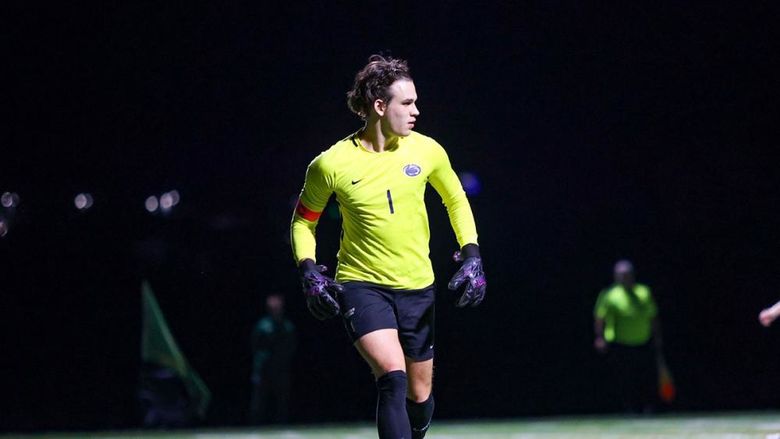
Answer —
(275, 305)
(400, 112)
(624, 272)
(624, 278)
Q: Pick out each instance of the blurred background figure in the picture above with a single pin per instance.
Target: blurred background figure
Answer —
(768, 315)
(273, 346)
(627, 330)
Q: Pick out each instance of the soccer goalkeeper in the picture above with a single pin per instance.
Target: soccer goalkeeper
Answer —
(383, 287)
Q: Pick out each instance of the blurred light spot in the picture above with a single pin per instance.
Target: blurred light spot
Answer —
(166, 201)
(470, 183)
(3, 228)
(152, 204)
(83, 201)
(175, 196)
(169, 199)
(9, 199)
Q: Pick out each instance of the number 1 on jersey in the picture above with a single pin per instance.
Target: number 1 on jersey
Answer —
(390, 201)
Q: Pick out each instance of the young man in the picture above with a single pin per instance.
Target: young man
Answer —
(627, 328)
(384, 280)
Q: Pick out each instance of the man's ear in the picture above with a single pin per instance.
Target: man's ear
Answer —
(380, 107)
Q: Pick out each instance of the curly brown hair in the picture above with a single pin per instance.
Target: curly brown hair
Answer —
(373, 81)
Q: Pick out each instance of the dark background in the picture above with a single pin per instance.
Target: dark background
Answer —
(643, 130)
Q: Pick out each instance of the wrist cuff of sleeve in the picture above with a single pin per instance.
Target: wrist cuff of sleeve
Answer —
(470, 251)
(307, 265)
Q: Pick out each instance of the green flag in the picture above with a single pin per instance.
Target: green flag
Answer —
(159, 347)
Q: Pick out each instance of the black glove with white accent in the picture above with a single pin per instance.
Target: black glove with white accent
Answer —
(471, 274)
(319, 290)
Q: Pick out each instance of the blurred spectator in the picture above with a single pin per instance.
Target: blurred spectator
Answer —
(625, 323)
(768, 315)
(273, 346)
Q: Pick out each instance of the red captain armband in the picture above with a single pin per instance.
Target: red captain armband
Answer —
(306, 213)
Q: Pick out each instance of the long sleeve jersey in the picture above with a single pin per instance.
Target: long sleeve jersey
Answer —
(628, 314)
(385, 232)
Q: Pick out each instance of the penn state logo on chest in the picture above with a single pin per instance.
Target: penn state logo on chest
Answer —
(412, 170)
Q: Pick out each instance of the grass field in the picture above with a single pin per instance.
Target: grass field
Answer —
(710, 426)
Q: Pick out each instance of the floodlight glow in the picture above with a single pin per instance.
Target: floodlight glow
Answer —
(9, 199)
(83, 201)
(151, 203)
(166, 201)
(175, 198)
(3, 228)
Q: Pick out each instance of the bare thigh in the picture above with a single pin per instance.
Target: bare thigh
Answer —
(382, 351)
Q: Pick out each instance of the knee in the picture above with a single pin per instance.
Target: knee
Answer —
(393, 383)
(419, 390)
(386, 366)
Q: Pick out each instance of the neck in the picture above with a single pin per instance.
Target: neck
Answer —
(375, 139)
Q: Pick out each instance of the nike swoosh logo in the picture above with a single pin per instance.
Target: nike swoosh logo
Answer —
(356, 181)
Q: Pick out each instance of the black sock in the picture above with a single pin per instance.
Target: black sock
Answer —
(420, 414)
(392, 421)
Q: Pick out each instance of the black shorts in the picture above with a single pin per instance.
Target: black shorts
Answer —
(367, 307)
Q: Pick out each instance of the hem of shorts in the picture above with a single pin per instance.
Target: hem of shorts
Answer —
(374, 284)
(425, 357)
(357, 337)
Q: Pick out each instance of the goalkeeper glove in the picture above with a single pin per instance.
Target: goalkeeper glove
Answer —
(318, 290)
(471, 274)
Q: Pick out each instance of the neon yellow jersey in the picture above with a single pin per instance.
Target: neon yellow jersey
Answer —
(628, 318)
(385, 229)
